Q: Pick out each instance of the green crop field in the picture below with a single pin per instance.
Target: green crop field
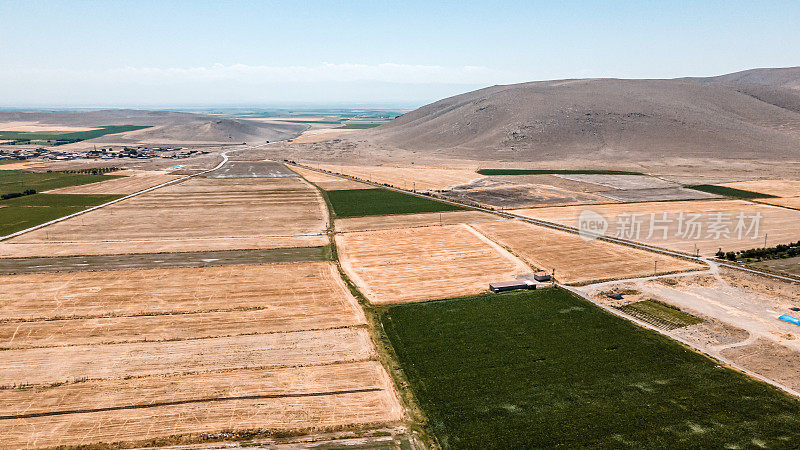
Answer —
(24, 212)
(554, 172)
(20, 180)
(545, 368)
(728, 192)
(67, 136)
(359, 126)
(376, 202)
(659, 314)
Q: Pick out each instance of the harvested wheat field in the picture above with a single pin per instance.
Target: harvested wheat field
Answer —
(412, 264)
(407, 177)
(143, 354)
(575, 260)
(329, 182)
(311, 289)
(131, 181)
(778, 188)
(48, 365)
(199, 214)
(715, 223)
(788, 202)
(373, 223)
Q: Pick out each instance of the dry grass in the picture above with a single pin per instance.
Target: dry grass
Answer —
(372, 223)
(133, 181)
(779, 188)
(575, 260)
(199, 214)
(408, 177)
(779, 223)
(412, 264)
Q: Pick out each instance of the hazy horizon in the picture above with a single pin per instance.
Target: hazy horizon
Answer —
(182, 54)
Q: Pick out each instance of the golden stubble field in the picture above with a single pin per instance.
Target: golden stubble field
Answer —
(413, 264)
(373, 223)
(576, 260)
(136, 355)
(130, 181)
(198, 214)
(779, 188)
(329, 182)
(713, 218)
(407, 177)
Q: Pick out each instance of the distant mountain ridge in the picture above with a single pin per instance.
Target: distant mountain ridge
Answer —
(746, 115)
(167, 126)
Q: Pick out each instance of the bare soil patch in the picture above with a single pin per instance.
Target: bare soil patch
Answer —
(413, 264)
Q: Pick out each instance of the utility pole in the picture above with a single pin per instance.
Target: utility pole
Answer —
(765, 240)
(655, 267)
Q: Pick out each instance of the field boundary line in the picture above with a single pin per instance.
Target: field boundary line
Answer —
(507, 215)
(187, 401)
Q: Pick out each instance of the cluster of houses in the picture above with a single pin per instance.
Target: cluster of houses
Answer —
(100, 153)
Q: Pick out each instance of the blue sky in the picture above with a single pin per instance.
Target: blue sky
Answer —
(182, 53)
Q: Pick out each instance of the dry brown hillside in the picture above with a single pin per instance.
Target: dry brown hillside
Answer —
(608, 120)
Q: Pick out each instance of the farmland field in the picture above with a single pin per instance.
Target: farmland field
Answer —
(778, 223)
(67, 136)
(370, 223)
(198, 214)
(24, 212)
(135, 355)
(407, 177)
(413, 264)
(575, 260)
(729, 191)
(778, 188)
(372, 202)
(124, 182)
(329, 182)
(20, 180)
(553, 172)
(545, 368)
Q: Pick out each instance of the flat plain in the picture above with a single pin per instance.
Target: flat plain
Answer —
(778, 223)
(142, 355)
(576, 260)
(372, 223)
(329, 182)
(124, 182)
(547, 369)
(778, 188)
(413, 264)
(407, 177)
(198, 214)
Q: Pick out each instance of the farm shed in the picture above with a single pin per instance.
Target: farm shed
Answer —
(503, 286)
(541, 276)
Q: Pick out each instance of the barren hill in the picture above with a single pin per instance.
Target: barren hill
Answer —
(166, 126)
(610, 119)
